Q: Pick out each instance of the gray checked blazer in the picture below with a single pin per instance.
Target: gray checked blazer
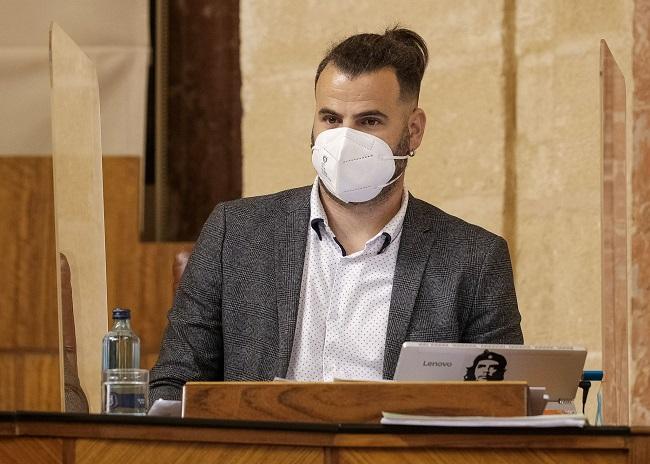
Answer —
(234, 314)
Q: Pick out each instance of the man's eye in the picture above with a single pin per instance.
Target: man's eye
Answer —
(330, 119)
(371, 122)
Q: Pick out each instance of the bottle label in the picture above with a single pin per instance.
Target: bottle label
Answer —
(119, 402)
(125, 397)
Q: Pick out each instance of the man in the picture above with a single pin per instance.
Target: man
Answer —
(328, 281)
(487, 366)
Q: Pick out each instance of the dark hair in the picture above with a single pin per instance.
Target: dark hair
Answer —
(401, 49)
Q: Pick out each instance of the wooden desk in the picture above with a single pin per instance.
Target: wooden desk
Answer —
(94, 439)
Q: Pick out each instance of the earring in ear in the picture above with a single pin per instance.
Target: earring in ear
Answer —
(412, 153)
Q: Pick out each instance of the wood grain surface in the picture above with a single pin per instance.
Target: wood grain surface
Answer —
(614, 241)
(201, 114)
(479, 456)
(139, 275)
(105, 452)
(640, 450)
(28, 317)
(44, 393)
(87, 439)
(350, 402)
(640, 219)
(8, 384)
(31, 450)
(182, 430)
(493, 440)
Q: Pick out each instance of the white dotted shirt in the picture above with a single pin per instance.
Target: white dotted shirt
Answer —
(344, 302)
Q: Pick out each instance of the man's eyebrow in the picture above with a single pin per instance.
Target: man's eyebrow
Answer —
(371, 113)
(363, 114)
(323, 111)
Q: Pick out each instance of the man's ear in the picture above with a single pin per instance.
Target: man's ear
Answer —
(416, 124)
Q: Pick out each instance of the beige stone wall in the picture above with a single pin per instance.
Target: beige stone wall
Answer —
(558, 164)
(458, 166)
(554, 231)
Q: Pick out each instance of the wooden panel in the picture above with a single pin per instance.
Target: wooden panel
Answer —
(509, 91)
(40, 388)
(470, 448)
(138, 274)
(614, 241)
(110, 452)
(79, 201)
(203, 111)
(8, 383)
(28, 450)
(7, 428)
(640, 450)
(181, 432)
(186, 434)
(148, 290)
(482, 440)
(93, 442)
(28, 290)
(479, 456)
(350, 402)
(640, 219)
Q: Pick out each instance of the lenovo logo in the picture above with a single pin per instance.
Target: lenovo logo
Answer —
(437, 363)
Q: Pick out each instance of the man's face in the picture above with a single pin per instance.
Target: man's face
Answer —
(369, 103)
(486, 369)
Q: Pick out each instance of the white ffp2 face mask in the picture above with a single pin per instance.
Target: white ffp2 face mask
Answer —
(353, 165)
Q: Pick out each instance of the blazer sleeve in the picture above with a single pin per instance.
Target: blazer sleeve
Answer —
(192, 345)
(494, 316)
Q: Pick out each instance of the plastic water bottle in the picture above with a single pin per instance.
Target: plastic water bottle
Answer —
(121, 346)
(124, 384)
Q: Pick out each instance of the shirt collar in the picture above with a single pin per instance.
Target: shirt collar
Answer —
(318, 220)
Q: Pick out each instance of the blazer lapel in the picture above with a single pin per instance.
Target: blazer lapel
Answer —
(412, 257)
(291, 230)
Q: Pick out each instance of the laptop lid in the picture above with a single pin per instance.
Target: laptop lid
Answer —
(558, 369)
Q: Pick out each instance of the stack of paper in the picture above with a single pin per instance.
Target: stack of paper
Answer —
(166, 408)
(555, 420)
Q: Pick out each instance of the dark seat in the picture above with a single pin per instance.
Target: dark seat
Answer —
(180, 261)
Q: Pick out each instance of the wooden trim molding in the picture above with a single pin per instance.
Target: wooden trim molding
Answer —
(614, 241)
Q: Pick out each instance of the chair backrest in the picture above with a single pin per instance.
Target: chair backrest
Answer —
(180, 262)
(74, 397)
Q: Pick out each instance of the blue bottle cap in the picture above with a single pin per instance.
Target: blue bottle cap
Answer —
(121, 313)
(596, 376)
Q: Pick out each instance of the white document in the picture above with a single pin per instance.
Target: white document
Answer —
(166, 408)
(554, 420)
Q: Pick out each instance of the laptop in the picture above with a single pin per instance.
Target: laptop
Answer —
(557, 368)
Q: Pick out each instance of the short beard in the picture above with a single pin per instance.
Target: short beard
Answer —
(402, 149)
